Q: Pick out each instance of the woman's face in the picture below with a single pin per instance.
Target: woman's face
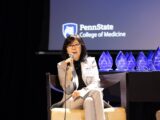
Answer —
(75, 49)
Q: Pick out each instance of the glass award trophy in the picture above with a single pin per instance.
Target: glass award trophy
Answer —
(150, 61)
(156, 59)
(131, 62)
(142, 63)
(126, 54)
(121, 62)
(105, 61)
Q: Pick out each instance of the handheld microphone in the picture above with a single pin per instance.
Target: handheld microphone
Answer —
(70, 56)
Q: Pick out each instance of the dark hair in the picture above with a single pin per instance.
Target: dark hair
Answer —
(70, 40)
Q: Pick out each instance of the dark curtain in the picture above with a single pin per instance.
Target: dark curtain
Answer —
(22, 89)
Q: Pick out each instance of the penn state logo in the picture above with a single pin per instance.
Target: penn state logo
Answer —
(69, 29)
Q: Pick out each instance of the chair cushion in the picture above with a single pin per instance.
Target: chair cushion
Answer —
(71, 114)
(115, 113)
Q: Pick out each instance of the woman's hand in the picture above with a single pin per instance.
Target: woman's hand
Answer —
(69, 65)
(69, 60)
(75, 94)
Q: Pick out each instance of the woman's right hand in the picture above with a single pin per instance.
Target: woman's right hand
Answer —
(69, 61)
(69, 64)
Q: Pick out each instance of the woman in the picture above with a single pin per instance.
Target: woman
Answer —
(79, 78)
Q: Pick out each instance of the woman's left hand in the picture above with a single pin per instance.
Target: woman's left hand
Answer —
(75, 94)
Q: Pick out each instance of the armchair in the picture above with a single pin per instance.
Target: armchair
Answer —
(107, 80)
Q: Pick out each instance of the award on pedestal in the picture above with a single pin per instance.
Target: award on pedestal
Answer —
(105, 61)
(142, 63)
(131, 62)
(121, 62)
(150, 61)
(156, 59)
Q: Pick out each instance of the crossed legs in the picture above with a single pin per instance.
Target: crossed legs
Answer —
(92, 104)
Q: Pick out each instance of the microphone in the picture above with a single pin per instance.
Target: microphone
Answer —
(70, 56)
(65, 98)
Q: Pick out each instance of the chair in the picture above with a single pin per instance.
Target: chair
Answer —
(107, 80)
